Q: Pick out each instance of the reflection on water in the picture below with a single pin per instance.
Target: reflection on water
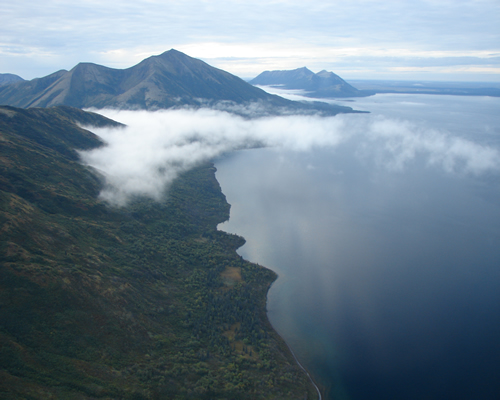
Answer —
(388, 279)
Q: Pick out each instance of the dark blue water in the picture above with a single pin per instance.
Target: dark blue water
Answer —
(389, 272)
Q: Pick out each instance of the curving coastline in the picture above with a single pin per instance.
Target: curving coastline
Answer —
(320, 396)
(281, 338)
(145, 301)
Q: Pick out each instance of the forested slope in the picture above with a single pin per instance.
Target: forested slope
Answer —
(148, 301)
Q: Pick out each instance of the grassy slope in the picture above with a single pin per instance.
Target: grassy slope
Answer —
(145, 302)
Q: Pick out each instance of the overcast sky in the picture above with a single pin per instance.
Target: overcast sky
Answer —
(357, 39)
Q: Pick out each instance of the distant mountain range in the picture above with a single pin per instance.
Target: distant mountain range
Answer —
(7, 79)
(326, 84)
(321, 85)
(171, 79)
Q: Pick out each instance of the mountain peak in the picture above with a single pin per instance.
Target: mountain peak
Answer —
(304, 69)
(7, 79)
(173, 52)
(323, 84)
(161, 81)
(171, 79)
(169, 55)
(173, 55)
(283, 78)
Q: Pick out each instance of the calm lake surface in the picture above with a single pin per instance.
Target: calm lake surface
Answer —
(387, 248)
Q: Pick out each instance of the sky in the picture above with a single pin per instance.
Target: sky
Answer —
(448, 40)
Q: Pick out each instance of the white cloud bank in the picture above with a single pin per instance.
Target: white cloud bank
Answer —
(155, 147)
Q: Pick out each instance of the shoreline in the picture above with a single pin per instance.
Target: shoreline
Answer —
(290, 350)
(311, 379)
(320, 397)
(297, 362)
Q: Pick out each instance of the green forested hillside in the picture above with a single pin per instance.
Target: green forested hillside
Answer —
(149, 301)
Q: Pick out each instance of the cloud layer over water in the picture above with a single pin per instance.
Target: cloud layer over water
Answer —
(155, 147)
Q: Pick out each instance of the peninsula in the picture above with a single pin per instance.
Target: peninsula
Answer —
(148, 301)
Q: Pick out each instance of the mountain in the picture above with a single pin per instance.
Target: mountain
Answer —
(7, 79)
(321, 85)
(171, 79)
(148, 301)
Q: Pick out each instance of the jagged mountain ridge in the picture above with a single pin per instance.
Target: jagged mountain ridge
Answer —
(171, 79)
(322, 84)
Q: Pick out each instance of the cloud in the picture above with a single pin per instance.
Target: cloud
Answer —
(395, 143)
(248, 37)
(144, 158)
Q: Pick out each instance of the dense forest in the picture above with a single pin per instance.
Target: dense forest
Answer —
(147, 301)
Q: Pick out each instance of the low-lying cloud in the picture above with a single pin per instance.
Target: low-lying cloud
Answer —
(399, 142)
(144, 158)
